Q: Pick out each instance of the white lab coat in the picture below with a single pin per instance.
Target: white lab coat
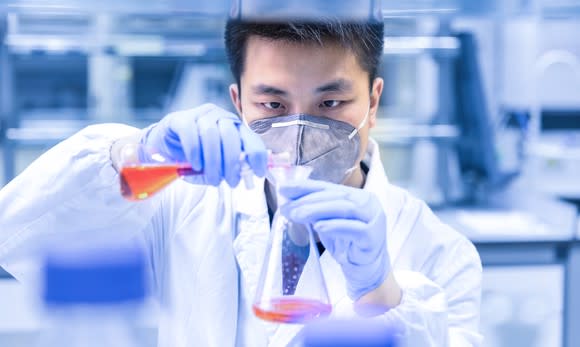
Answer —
(207, 245)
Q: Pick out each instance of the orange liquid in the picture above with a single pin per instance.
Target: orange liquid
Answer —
(292, 310)
(142, 181)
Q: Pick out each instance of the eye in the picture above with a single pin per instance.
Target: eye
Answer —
(330, 103)
(272, 105)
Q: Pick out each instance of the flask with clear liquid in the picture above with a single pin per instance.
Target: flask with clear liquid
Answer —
(292, 287)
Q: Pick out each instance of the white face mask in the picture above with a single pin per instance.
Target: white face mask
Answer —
(330, 147)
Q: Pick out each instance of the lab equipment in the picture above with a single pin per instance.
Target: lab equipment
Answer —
(350, 333)
(456, 148)
(479, 158)
(552, 148)
(141, 182)
(351, 224)
(291, 287)
(92, 296)
(145, 171)
(212, 140)
(288, 310)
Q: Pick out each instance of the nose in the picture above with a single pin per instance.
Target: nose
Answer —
(305, 108)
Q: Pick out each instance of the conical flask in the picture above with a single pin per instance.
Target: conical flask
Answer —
(144, 171)
(292, 287)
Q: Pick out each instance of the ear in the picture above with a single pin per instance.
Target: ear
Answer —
(236, 99)
(376, 93)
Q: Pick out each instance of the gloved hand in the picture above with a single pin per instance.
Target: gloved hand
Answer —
(350, 223)
(210, 139)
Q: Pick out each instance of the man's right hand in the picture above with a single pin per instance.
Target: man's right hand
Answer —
(211, 139)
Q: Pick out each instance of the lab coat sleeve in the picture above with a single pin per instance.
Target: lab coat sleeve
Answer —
(440, 316)
(441, 291)
(70, 190)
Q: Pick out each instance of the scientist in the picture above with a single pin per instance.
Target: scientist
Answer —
(312, 89)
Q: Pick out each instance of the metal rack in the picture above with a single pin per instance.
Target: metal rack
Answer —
(99, 44)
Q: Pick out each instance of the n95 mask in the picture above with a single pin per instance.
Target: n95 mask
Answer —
(330, 147)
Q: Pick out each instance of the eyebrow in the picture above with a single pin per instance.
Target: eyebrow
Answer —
(340, 85)
(268, 90)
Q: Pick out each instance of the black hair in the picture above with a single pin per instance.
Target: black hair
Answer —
(365, 39)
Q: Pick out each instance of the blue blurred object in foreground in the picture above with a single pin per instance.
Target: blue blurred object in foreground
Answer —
(92, 296)
(94, 276)
(350, 333)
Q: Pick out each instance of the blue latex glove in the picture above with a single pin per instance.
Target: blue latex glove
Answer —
(210, 139)
(350, 223)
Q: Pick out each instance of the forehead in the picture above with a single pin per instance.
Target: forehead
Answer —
(268, 59)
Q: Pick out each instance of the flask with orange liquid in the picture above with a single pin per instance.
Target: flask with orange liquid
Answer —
(144, 171)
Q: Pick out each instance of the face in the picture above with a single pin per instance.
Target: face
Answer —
(282, 78)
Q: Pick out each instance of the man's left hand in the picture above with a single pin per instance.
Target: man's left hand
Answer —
(350, 223)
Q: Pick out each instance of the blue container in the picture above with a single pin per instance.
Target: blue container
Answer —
(350, 333)
(93, 296)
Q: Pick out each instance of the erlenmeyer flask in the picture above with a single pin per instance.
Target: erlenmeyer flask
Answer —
(144, 171)
(291, 288)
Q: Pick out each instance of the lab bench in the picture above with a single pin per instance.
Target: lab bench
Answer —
(529, 246)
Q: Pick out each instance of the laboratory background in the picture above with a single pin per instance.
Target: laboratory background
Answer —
(480, 118)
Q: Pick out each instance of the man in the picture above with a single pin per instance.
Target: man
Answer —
(311, 89)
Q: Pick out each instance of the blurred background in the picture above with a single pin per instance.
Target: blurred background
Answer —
(480, 117)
